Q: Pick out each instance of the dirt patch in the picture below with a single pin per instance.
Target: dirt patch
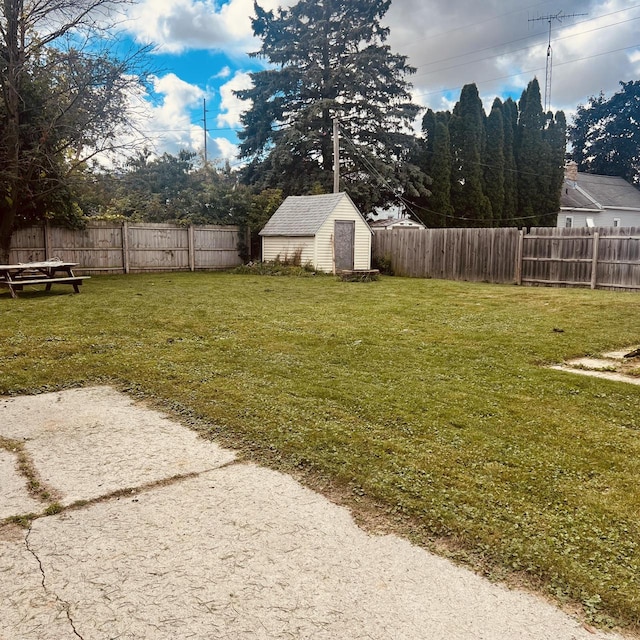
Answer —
(613, 365)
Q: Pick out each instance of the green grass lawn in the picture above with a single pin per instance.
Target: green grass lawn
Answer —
(425, 402)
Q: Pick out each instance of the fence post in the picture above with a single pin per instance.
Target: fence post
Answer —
(519, 257)
(192, 252)
(47, 240)
(594, 259)
(125, 246)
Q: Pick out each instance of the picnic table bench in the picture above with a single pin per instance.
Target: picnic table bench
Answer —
(49, 272)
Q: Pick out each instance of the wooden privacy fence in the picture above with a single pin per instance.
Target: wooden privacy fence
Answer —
(449, 254)
(130, 248)
(604, 258)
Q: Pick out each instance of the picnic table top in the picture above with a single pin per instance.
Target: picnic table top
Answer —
(36, 265)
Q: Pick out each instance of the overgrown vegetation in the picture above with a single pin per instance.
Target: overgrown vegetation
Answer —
(277, 268)
(426, 405)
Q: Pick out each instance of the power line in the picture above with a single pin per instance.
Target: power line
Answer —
(463, 64)
(530, 71)
(531, 37)
(411, 206)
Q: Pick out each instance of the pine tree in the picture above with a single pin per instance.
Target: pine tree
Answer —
(329, 59)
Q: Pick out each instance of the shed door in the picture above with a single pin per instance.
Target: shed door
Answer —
(344, 242)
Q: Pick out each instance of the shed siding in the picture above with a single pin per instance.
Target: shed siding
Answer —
(324, 239)
(285, 247)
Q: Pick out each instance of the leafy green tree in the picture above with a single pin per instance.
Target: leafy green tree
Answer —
(60, 105)
(329, 59)
(605, 134)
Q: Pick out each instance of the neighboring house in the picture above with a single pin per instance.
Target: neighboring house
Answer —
(589, 200)
(396, 223)
(326, 231)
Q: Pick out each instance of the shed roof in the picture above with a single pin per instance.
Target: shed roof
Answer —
(592, 191)
(304, 215)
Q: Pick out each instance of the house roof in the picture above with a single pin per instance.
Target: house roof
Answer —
(399, 222)
(596, 192)
(304, 215)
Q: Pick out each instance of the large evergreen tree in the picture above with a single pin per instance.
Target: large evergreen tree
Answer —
(499, 170)
(328, 59)
(467, 130)
(440, 202)
(555, 138)
(605, 134)
(494, 165)
(530, 154)
(510, 122)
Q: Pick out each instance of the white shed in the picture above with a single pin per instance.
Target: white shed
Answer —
(326, 231)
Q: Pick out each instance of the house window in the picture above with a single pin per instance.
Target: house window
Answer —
(568, 222)
(616, 222)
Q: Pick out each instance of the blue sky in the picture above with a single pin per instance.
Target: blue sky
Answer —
(202, 47)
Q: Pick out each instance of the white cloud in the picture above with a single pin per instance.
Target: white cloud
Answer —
(226, 149)
(178, 25)
(164, 119)
(230, 106)
(501, 47)
(225, 72)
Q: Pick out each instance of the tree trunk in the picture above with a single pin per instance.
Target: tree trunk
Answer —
(15, 57)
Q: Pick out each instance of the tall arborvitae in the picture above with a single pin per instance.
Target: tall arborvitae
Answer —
(494, 162)
(467, 135)
(428, 131)
(440, 201)
(510, 122)
(555, 136)
(505, 169)
(530, 154)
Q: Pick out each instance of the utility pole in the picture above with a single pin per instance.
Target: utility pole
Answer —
(204, 112)
(336, 156)
(547, 80)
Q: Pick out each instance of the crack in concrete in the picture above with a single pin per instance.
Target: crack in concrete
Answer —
(66, 606)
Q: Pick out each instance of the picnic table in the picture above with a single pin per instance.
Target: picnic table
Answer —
(49, 272)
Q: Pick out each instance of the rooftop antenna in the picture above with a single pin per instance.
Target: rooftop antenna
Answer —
(547, 79)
